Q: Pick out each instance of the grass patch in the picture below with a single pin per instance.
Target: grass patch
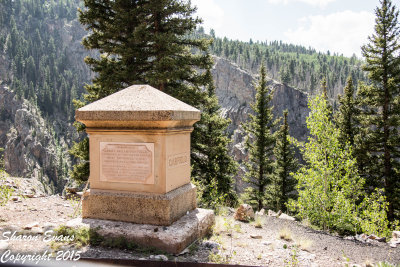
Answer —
(259, 221)
(285, 234)
(304, 244)
(219, 225)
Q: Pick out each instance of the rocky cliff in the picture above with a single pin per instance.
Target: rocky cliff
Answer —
(235, 90)
(33, 147)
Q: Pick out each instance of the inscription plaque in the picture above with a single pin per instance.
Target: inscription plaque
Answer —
(127, 162)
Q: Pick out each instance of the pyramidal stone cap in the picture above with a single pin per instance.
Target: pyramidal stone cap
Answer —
(138, 106)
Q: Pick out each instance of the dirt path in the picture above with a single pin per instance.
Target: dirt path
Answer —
(237, 242)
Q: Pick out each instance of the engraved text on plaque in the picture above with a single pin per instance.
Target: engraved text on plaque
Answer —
(127, 162)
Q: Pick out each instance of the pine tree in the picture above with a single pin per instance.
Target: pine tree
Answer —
(324, 90)
(213, 168)
(283, 184)
(259, 144)
(147, 42)
(346, 116)
(380, 106)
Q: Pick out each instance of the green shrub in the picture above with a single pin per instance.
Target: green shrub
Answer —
(5, 191)
(329, 186)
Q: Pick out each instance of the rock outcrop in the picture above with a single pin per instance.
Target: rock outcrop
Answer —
(235, 91)
(31, 148)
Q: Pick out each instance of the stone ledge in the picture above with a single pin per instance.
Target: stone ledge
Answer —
(173, 239)
(145, 208)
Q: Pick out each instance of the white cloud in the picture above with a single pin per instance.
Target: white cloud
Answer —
(343, 32)
(318, 3)
(210, 12)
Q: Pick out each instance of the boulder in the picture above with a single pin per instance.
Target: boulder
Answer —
(244, 213)
(286, 217)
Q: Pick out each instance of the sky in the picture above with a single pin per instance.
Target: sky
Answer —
(340, 26)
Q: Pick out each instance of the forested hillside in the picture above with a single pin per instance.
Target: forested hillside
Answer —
(38, 60)
(294, 65)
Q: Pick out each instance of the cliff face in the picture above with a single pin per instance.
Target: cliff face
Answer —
(32, 147)
(235, 90)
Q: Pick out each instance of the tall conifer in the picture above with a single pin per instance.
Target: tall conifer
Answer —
(380, 105)
(147, 42)
(283, 184)
(213, 168)
(346, 116)
(259, 143)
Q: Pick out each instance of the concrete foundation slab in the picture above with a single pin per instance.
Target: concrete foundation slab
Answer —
(146, 208)
(173, 239)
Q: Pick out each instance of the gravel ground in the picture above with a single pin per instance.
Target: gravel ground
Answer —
(237, 242)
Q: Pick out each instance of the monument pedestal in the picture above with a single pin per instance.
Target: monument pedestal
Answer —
(139, 150)
(146, 208)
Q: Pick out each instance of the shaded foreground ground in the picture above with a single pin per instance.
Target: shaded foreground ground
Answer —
(239, 243)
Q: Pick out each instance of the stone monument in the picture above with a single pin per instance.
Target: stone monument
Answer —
(139, 143)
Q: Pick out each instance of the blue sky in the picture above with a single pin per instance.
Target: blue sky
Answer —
(340, 26)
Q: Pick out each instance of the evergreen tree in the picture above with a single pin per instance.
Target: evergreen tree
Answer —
(380, 106)
(148, 42)
(259, 144)
(283, 184)
(345, 118)
(213, 168)
(324, 89)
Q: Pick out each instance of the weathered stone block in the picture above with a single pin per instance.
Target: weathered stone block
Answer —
(146, 208)
(173, 239)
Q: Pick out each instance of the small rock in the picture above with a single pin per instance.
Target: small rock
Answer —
(67, 205)
(30, 226)
(286, 217)
(266, 243)
(211, 244)
(72, 190)
(392, 245)
(15, 199)
(151, 257)
(256, 236)
(396, 234)
(3, 245)
(274, 214)
(161, 257)
(37, 230)
(261, 212)
(244, 213)
(380, 239)
(185, 251)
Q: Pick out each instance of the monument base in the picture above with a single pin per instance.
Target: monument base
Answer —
(173, 239)
(144, 208)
